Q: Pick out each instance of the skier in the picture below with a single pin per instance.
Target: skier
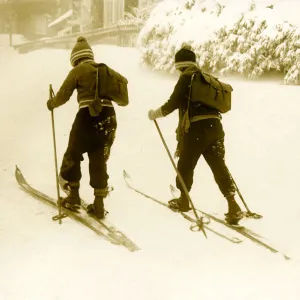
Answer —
(93, 132)
(205, 137)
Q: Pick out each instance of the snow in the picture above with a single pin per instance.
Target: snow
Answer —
(41, 259)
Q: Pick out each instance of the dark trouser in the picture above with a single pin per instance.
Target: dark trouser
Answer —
(205, 137)
(94, 136)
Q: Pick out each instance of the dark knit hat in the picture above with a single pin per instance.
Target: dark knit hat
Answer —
(81, 50)
(185, 57)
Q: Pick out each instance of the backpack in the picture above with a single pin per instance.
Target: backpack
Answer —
(110, 86)
(208, 90)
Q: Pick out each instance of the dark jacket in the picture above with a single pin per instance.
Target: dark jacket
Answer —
(179, 100)
(83, 78)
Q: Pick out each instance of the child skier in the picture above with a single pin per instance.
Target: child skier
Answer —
(205, 137)
(93, 130)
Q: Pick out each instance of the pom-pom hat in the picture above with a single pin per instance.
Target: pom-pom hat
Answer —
(81, 50)
(185, 57)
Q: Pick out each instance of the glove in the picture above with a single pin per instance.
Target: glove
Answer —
(154, 114)
(50, 105)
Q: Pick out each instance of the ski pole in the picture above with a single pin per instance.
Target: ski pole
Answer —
(199, 220)
(60, 215)
(250, 213)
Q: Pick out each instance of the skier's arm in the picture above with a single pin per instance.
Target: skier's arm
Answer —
(178, 96)
(66, 90)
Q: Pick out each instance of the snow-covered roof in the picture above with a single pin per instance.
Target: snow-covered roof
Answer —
(62, 18)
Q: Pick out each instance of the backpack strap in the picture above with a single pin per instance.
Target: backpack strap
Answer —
(186, 119)
(97, 83)
(95, 107)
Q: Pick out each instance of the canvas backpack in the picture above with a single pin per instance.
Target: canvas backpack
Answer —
(110, 85)
(210, 91)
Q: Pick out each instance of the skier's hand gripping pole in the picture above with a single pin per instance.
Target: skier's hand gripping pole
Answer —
(199, 223)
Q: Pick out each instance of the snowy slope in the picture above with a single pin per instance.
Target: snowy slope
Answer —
(40, 259)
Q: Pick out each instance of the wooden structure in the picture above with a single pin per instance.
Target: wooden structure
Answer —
(26, 17)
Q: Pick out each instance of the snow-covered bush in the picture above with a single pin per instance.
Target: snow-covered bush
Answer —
(228, 36)
(136, 16)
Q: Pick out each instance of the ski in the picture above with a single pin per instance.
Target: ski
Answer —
(254, 237)
(80, 216)
(50, 201)
(234, 240)
(118, 235)
(222, 221)
(246, 232)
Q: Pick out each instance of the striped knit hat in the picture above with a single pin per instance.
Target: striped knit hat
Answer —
(81, 50)
(185, 57)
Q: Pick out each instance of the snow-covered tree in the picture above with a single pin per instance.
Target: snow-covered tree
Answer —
(228, 36)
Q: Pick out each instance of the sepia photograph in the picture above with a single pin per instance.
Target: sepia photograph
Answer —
(149, 149)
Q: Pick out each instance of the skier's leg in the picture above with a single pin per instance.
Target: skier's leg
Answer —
(98, 181)
(70, 168)
(70, 173)
(98, 158)
(215, 157)
(191, 149)
(97, 169)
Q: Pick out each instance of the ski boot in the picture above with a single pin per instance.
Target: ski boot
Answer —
(235, 213)
(72, 201)
(180, 204)
(97, 208)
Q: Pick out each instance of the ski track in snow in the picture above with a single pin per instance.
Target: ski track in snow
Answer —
(40, 259)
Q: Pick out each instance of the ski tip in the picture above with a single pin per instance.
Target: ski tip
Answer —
(17, 171)
(126, 175)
